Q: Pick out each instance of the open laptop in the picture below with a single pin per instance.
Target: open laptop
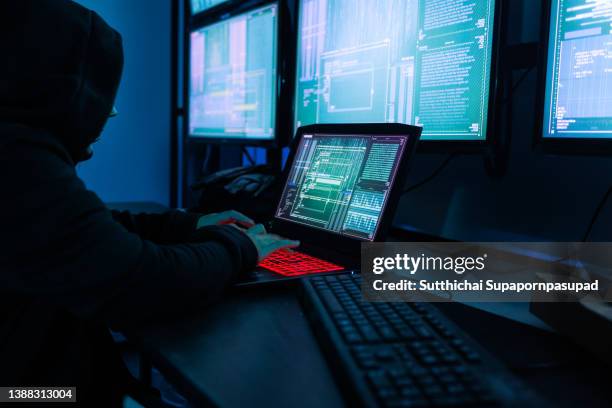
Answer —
(342, 184)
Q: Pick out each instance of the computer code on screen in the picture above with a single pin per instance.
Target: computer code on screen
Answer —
(341, 183)
(198, 6)
(233, 77)
(420, 62)
(578, 100)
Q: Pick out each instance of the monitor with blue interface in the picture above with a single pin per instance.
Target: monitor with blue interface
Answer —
(421, 62)
(578, 99)
(233, 78)
(198, 6)
(341, 183)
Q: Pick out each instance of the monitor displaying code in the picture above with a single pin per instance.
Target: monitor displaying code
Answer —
(419, 62)
(197, 6)
(578, 100)
(233, 77)
(341, 183)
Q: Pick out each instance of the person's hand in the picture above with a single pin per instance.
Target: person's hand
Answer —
(267, 243)
(225, 217)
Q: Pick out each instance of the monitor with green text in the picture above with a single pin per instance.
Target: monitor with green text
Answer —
(233, 77)
(578, 93)
(421, 62)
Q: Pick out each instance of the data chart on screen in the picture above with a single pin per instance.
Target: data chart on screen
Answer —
(341, 183)
(197, 6)
(418, 62)
(233, 77)
(578, 101)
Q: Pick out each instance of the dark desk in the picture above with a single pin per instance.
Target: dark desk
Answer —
(253, 349)
(257, 349)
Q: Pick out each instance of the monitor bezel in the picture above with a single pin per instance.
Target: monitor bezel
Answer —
(558, 145)
(341, 242)
(495, 93)
(226, 11)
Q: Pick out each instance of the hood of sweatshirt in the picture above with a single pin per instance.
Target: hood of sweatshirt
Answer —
(60, 70)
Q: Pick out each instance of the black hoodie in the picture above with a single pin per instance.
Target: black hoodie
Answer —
(68, 265)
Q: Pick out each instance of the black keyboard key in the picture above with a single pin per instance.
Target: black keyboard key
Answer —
(385, 355)
(423, 332)
(369, 363)
(379, 379)
(410, 392)
(429, 359)
(472, 356)
(387, 333)
(405, 403)
(426, 379)
(369, 334)
(448, 379)
(330, 301)
(404, 381)
(353, 338)
(456, 389)
(433, 390)
(386, 392)
(407, 333)
(446, 401)
(398, 372)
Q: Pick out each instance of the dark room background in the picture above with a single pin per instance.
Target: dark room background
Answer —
(132, 160)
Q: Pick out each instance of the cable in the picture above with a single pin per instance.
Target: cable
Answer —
(522, 78)
(433, 175)
(206, 158)
(516, 85)
(246, 152)
(600, 207)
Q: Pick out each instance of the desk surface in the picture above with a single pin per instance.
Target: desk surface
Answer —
(253, 349)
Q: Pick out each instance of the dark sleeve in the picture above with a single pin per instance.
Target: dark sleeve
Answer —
(62, 245)
(170, 227)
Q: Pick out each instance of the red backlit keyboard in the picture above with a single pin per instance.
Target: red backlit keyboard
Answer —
(291, 263)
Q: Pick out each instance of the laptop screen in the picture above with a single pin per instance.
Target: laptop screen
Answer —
(341, 183)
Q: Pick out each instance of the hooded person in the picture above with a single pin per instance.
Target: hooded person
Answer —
(69, 267)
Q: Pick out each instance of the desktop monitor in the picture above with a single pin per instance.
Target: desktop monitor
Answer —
(428, 63)
(577, 104)
(198, 6)
(233, 78)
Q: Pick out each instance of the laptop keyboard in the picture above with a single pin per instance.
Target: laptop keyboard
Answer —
(288, 262)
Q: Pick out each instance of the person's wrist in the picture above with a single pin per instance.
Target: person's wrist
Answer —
(201, 222)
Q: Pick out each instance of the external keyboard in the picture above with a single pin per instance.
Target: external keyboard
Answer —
(402, 354)
(288, 262)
